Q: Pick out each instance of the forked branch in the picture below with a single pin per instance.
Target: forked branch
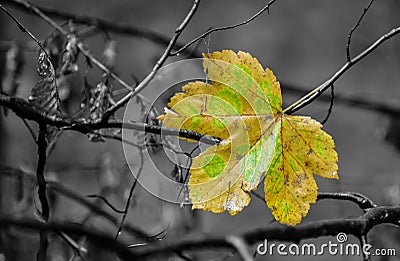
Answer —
(314, 94)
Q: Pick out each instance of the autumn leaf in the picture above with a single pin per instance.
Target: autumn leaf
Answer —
(44, 95)
(243, 107)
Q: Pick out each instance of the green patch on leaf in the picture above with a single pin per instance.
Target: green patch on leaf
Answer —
(214, 165)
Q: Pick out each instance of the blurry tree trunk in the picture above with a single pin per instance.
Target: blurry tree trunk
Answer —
(5, 238)
(2, 139)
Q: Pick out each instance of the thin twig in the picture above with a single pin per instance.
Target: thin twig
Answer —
(106, 202)
(354, 28)
(80, 45)
(31, 132)
(25, 30)
(223, 28)
(54, 186)
(53, 142)
(157, 66)
(314, 94)
(82, 200)
(22, 27)
(330, 106)
(78, 250)
(130, 196)
(99, 23)
(360, 102)
(60, 29)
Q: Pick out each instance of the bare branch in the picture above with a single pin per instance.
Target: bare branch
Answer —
(79, 250)
(247, 21)
(362, 201)
(158, 65)
(330, 106)
(354, 28)
(131, 191)
(360, 102)
(31, 132)
(106, 202)
(54, 186)
(80, 45)
(351, 226)
(99, 23)
(92, 234)
(314, 94)
(22, 27)
(26, 111)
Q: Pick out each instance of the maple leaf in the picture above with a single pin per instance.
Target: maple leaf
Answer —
(243, 107)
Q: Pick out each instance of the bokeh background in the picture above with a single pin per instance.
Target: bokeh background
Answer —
(303, 42)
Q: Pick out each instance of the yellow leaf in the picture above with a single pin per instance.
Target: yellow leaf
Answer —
(302, 149)
(243, 107)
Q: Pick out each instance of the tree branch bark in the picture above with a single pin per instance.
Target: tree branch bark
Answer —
(351, 226)
(99, 23)
(54, 186)
(41, 182)
(25, 110)
(314, 94)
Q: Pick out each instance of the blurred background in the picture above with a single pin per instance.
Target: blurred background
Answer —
(302, 43)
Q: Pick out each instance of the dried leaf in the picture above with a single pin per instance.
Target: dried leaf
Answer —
(44, 95)
(100, 99)
(86, 92)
